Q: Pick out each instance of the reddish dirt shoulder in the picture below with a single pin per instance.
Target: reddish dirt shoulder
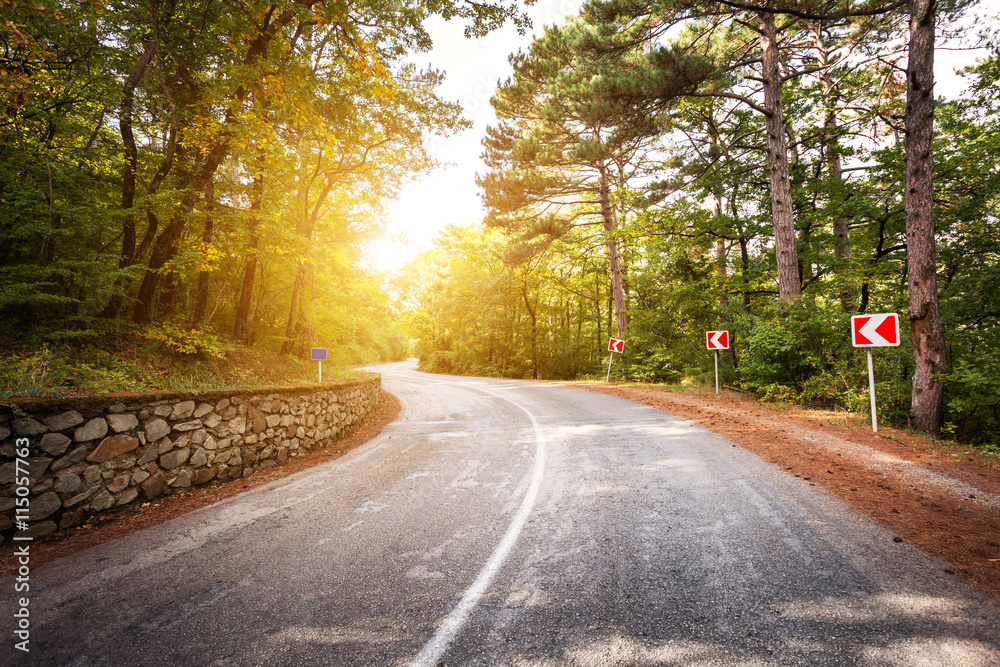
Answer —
(130, 520)
(943, 498)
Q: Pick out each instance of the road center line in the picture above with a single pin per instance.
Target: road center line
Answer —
(432, 651)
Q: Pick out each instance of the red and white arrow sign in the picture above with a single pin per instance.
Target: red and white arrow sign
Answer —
(717, 340)
(616, 345)
(879, 330)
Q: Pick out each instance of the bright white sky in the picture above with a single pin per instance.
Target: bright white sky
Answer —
(473, 68)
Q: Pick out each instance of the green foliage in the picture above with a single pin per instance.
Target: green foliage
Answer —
(973, 400)
(698, 243)
(788, 346)
(119, 359)
(675, 286)
(696, 267)
(177, 339)
(208, 174)
(475, 313)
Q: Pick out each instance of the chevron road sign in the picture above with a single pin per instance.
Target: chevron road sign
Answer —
(717, 340)
(614, 345)
(879, 330)
(868, 331)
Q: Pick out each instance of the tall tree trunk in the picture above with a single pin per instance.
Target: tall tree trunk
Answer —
(842, 243)
(720, 267)
(242, 329)
(597, 308)
(131, 254)
(201, 301)
(720, 260)
(293, 311)
(786, 254)
(131, 154)
(163, 250)
(720, 243)
(533, 314)
(304, 226)
(745, 265)
(925, 316)
(166, 243)
(127, 256)
(614, 263)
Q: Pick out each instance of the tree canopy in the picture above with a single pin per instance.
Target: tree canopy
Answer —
(212, 167)
(205, 174)
(764, 166)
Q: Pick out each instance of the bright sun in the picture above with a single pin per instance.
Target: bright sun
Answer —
(388, 255)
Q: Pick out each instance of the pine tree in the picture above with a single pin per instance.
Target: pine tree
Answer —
(563, 156)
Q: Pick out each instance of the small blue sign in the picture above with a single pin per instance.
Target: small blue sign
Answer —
(318, 354)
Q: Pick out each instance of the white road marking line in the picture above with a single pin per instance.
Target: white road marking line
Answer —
(452, 624)
(351, 527)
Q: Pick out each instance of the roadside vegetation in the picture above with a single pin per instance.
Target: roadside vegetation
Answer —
(186, 189)
(661, 169)
(132, 359)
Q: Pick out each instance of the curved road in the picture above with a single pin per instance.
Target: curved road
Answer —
(499, 522)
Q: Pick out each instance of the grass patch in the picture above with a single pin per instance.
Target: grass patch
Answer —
(132, 359)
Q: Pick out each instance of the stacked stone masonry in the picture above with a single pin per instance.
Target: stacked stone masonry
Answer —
(96, 455)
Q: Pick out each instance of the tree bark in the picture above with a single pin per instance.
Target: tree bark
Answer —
(720, 243)
(131, 154)
(293, 310)
(533, 313)
(201, 301)
(597, 307)
(614, 262)
(127, 255)
(242, 329)
(842, 243)
(925, 316)
(166, 243)
(785, 251)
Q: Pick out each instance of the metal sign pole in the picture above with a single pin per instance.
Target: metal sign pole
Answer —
(319, 354)
(871, 390)
(612, 358)
(716, 371)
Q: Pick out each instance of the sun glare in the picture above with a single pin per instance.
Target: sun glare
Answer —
(388, 255)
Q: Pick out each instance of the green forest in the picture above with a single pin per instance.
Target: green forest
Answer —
(186, 187)
(197, 180)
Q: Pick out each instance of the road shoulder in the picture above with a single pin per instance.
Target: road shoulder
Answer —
(944, 500)
(114, 525)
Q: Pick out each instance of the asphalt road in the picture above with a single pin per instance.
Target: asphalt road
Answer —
(513, 523)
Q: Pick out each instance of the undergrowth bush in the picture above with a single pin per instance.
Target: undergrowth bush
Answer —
(789, 346)
(127, 358)
(177, 339)
(972, 401)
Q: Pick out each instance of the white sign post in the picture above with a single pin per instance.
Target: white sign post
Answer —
(868, 331)
(614, 345)
(319, 354)
(717, 340)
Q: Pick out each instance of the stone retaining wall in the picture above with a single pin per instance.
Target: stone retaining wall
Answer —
(92, 455)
